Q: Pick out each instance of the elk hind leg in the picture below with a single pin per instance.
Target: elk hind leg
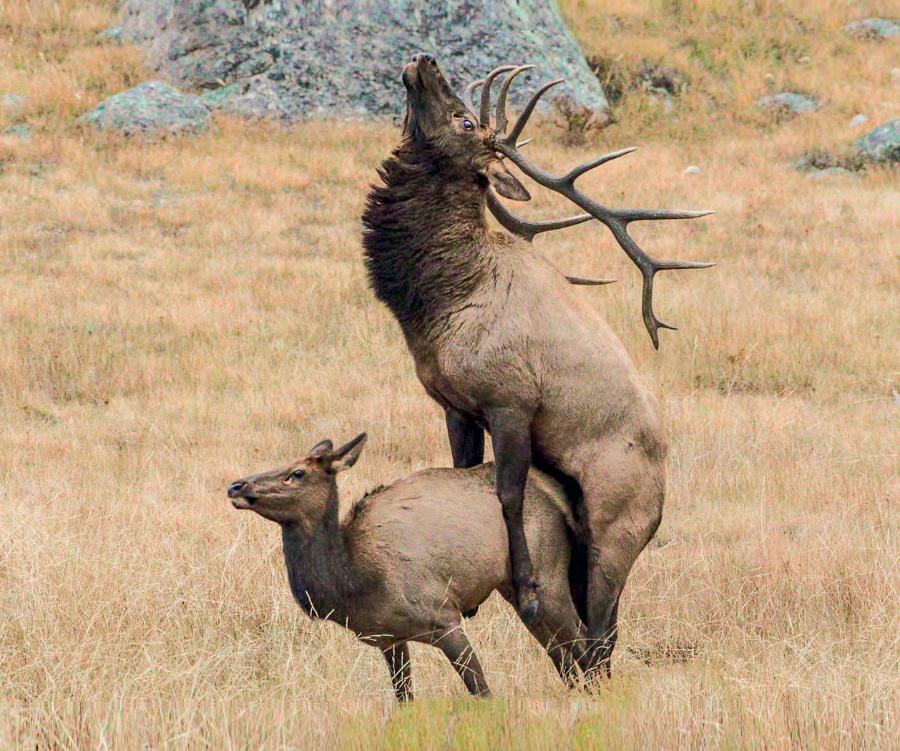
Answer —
(621, 526)
(561, 632)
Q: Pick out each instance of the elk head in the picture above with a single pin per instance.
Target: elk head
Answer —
(300, 492)
(436, 117)
(447, 123)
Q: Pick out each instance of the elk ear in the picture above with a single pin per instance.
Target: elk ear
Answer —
(504, 182)
(346, 456)
(320, 449)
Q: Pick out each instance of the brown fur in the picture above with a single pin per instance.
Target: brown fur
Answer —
(503, 342)
(412, 556)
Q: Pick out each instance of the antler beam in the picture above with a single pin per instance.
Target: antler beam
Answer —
(616, 220)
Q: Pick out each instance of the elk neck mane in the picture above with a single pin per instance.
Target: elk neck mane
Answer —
(425, 236)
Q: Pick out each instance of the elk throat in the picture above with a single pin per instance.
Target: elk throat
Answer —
(426, 240)
(320, 567)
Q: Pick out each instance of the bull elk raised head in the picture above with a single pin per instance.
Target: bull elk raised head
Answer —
(616, 220)
(503, 343)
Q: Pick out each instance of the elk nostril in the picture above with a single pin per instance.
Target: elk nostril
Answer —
(428, 58)
(235, 488)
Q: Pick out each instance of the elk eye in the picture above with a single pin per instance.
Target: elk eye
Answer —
(468, 124)
(297, 474)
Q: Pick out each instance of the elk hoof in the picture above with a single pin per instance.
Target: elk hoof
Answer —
(528, 612)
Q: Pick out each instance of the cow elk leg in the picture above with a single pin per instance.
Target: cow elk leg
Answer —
(455, 644)
(397, 657)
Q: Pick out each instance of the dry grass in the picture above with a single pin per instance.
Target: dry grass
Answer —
(176, 315)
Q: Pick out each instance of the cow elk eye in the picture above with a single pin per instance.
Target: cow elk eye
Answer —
(297, 474)
(468, 124)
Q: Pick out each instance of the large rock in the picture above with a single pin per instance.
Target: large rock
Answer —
(151, 109)
(881, 145)
(301, 58)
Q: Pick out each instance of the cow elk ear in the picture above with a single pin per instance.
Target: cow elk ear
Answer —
(320, 449)
(346, 456)
(504, 182)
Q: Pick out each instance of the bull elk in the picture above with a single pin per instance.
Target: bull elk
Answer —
(411, 557)
(503, 344)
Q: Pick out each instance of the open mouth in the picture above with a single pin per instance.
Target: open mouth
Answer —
(410, 75)
(243, 502)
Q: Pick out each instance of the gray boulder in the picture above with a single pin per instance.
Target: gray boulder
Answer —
(788, 103)
(150, 109)
(873, 28)
(293, 59)
(881, 145)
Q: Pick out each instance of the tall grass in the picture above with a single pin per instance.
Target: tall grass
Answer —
(175, 315)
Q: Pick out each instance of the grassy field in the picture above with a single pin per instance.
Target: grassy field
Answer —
(175, 315)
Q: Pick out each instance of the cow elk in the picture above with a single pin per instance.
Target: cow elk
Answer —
(502, 342)
(409, 558)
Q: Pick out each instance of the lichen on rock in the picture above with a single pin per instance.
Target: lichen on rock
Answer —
(151, 109)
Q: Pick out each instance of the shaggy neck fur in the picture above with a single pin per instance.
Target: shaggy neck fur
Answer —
(319, 565)
(422, 238)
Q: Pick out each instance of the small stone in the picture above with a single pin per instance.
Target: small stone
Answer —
(881, 145)
(830, 172)
(663, 99)
(858, 120)
(815, 161)
(21, 132)
(788, 103)
(150, 109)
(692, 170)
(113, 35)
(873, 28)
(11, 103)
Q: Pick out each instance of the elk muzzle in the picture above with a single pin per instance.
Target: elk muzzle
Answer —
(430, 101)
(237, 492)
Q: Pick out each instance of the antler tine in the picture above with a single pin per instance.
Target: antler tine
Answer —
(529, 108)
(484, 114)
(639, 215)
(467, 94)
(616, 220)
(525, 229)
(528, 230)
(500, 112)
(578, 171)
(588, 281)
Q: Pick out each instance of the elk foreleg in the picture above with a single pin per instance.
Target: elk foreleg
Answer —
(511, 440)
(466, 440)
(397, 657)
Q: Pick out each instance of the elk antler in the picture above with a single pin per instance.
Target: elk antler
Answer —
(616, 220)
